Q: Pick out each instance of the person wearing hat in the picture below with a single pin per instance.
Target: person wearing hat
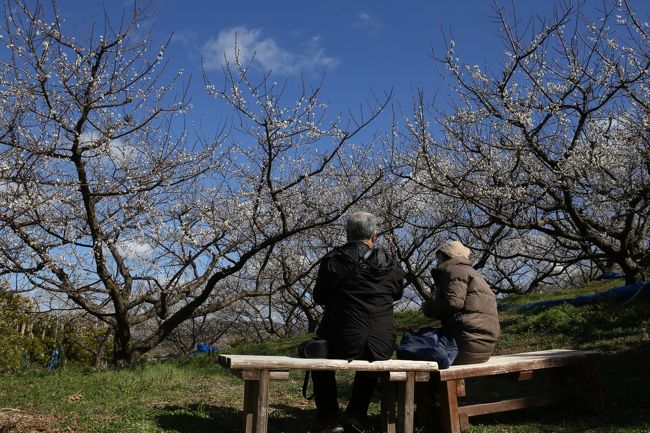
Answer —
(467, 308)
(464, 304)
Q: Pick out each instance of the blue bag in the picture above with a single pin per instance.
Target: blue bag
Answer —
(428, 344)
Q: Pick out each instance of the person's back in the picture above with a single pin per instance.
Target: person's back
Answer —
(467, 308)
(357, 285)
(358, 294)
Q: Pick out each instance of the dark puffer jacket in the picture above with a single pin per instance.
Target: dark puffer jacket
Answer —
(466, 306)
(358, 296)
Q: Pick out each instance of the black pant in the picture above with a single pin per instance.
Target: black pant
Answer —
(326, 397)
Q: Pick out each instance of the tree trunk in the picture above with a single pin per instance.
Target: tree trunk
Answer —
(632, 271)
(123, 353)
(634, 277)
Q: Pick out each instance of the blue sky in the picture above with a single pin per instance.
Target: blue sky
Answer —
(358, 45)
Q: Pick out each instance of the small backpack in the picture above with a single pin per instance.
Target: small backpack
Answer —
(428, 344)
(314, 348)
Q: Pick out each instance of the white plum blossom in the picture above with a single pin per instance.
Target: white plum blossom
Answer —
(109, 205)
(555, 144)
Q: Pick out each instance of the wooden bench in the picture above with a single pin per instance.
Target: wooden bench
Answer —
(396, 404)
(581, 366)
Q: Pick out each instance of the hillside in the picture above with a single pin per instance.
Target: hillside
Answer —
(194, 394)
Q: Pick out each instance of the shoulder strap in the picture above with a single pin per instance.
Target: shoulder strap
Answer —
(366, 255)
(349, 273)
(305, 385)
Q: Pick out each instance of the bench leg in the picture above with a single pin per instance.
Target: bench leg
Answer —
(256, 403)
(406, 403)
(263, 402)
(448, 393)
(592, 379)
(251, 392)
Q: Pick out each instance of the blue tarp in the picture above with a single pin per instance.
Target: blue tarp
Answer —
(55, 359)
(204, 348)
(619, 294)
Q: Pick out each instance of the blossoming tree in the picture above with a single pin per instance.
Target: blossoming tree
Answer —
(555, 144)
(108, 205)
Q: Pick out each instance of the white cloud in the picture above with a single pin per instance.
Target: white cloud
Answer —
(119, 152)
(134, 249)
(264, 51)
(364, 17)
(368, 21)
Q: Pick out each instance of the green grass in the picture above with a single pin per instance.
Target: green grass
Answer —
(620, 332)
(591, 288)
(282, 347)
(143, 399)
(411, 320)
(196, 395)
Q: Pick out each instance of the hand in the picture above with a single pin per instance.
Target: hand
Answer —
(428, 308)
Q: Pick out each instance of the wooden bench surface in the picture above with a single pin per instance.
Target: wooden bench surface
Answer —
(517, 362)
(253, 362)
(397, 398)
(583, 391)
(258, 370)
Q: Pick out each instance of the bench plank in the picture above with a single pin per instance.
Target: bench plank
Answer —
(400, 376)
(258, 370)
(544, 399)
(255, 374)
(519, 362)
(256, 362)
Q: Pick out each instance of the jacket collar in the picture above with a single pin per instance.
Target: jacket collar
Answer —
(355, 250)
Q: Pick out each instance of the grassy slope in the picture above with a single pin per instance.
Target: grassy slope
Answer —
(196, 395)
(590, 288)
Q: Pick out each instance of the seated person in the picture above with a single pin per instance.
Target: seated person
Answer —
(464, 303)
(467, 308)
(357, 283)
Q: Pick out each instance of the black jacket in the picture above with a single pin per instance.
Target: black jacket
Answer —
(358, 296)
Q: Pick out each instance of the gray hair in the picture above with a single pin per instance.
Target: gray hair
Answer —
(361, 226)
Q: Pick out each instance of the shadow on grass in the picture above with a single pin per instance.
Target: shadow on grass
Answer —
(198, 418)
(292, 419)
(625, 383)
(625, 378)
(563, 420)
(285, 419)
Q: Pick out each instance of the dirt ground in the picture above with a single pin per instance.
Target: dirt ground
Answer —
(18, 421)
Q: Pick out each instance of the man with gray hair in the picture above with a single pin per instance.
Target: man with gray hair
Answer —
(361, 226)
(357, 284)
